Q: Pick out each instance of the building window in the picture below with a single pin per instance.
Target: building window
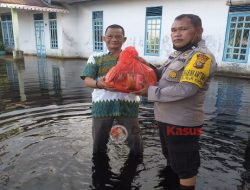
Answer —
(38, 16)
(97, 21)
(47, 1)
(7, 31)
(53, 31)
(153, 30)
(236, 46)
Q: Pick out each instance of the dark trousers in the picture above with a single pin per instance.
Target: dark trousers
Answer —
(181, 151)
(101, 128)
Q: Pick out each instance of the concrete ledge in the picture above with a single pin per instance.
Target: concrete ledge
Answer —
(18, 55)
(10, 57)
(233, 74)
(58, 57)
(7, 58)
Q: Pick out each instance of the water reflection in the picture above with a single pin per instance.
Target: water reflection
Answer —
(227, 106)
(46, 143)
(222, 146)
(56, 80)
(168, 179)
(103, 178)
(229, 97)
(12, 81)
(46, 80)
(43, 75)
(246, 164)
(20, 72)
(12, 75)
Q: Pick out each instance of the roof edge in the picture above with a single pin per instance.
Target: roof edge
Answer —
(34, 8)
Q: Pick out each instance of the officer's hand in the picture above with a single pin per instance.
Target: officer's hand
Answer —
(142, 92)
(142, 60)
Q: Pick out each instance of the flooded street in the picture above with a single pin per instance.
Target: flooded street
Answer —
(46, 141)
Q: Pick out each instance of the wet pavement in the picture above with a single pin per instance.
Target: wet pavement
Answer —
(46, 143)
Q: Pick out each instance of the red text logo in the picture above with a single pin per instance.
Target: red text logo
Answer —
(173, 130)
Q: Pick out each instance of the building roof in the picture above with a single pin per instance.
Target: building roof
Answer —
(37, 5)
(70, 1)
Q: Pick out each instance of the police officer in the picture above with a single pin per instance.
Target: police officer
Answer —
(179, 97)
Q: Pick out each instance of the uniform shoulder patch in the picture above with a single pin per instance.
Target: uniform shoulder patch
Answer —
(200, 61)
(197, 70)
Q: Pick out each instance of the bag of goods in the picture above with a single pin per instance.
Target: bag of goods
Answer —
(130, 74)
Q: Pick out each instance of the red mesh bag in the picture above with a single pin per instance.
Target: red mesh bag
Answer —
(130, 74)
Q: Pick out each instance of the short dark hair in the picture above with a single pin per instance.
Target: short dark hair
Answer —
(115, 26)
(195, 20)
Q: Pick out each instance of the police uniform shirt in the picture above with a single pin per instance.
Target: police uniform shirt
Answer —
(180, 93)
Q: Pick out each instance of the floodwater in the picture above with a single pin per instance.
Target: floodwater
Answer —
(46, 143)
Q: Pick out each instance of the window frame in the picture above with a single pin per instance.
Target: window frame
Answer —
(53, 29)
(227, 37)
(97, 45)
(7, 31)
(156, 18)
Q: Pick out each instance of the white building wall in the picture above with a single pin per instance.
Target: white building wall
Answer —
(213, 14)
(59, 52)
(66, 34)
(131, 15)
(26, 32)
(70, 33)
(75, 28)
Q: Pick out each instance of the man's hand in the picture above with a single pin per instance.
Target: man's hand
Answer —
(102, 85)
(142, 92)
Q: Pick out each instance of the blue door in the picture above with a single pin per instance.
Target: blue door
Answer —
(7, 31)
(39, 32)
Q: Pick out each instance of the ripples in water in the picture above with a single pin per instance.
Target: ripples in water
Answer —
(46, 143)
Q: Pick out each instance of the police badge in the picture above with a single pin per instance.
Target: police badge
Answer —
(172, 74)
(200, 61)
